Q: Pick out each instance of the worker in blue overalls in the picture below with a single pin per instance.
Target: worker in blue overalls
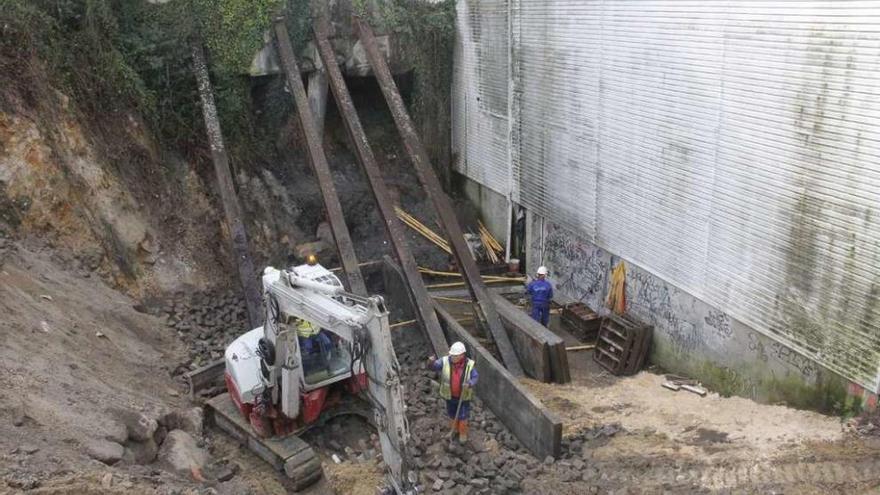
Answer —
(541, 293)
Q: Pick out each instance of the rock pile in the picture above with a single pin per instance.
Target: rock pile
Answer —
(493, 461)
(207, 322)
(140, 438)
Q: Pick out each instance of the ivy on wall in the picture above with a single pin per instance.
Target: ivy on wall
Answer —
(424, 34)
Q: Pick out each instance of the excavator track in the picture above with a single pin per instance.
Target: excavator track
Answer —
(290, 454)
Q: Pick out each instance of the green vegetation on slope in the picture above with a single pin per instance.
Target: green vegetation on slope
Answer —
(112, 57)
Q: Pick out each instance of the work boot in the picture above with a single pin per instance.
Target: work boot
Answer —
(453, 429)
(462, 431)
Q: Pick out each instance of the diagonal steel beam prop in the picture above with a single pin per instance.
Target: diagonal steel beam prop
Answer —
(419, 157)
(416, 287)
(231, 206)
(318, 160)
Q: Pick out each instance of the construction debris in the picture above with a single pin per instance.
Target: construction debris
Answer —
(581, 320)
(695, 389)
(403, 323)
(491, 246)
(453, 299)
(413, 223)
(676, 383)
(495, 278)
(492, 242)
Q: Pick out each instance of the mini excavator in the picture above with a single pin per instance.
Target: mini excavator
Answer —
(280, 384)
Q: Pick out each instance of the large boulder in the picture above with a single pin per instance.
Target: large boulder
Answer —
(141, 452)
(181, 453)
(141, 427)
(115, 431)
(188, 420)
(104, 450)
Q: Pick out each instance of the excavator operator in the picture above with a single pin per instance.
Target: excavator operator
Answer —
(314, 342)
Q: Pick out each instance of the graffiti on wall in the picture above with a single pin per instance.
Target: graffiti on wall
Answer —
(781, 353)
(719, 322)
(789, 356)
(581, 271)
(652, 300)
(756, 345)
(735, 382)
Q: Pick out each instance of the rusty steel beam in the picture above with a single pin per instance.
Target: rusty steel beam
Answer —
(418, 293)
(318, 160)
(419, 157)
(231, 207)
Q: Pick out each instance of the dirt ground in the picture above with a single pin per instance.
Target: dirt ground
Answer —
(640, 402)
(705, 444)
(73, 352)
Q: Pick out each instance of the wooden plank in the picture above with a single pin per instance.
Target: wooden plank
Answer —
(250, 282)
(503, 289)
(612, 356)
(611, 342)
(397, 298)
(416, 287)
(536, 427)
(580, 348)
(318, 98)
(442, 204)
(318, 160)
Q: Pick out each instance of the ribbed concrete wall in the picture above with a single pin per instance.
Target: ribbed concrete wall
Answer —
(731, 149)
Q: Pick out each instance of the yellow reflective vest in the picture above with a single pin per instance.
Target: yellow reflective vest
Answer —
(306, 329)
(446, 377)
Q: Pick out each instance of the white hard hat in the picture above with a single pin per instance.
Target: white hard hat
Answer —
(457, 349)
(542, 270)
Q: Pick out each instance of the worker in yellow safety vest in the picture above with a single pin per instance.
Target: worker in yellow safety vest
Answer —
(311, 338)
(457, 380)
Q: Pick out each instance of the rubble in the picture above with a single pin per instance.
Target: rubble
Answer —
(116, 432)
(206, 322)
(29, 449)
(141, 452)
